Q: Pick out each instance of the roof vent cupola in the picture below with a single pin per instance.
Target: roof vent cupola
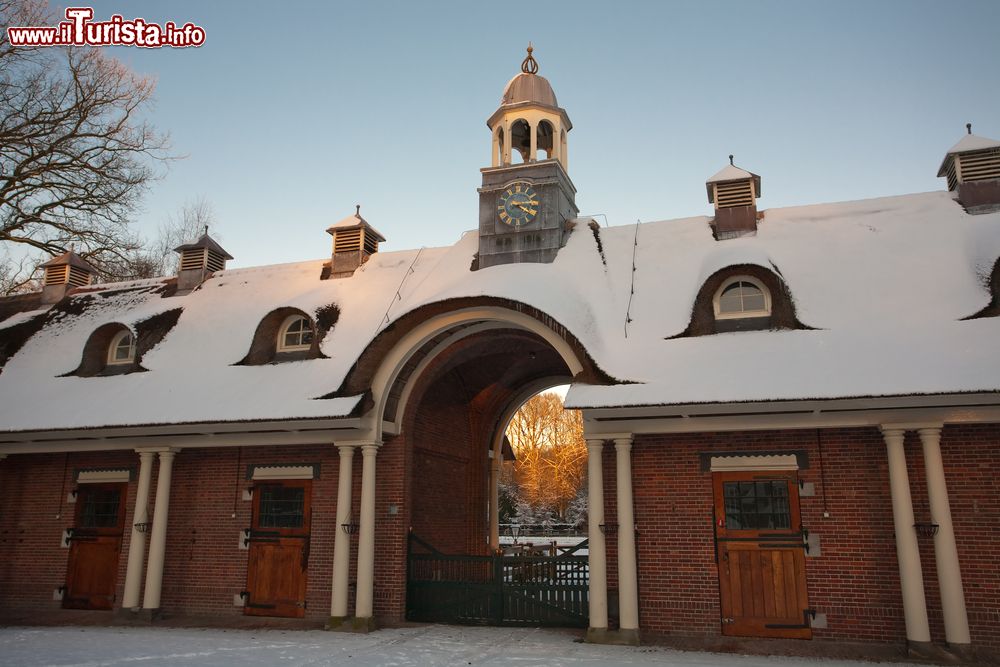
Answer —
(199, 260)
(63, 273)
(527, 197)
(972, 168)
(734, 192)
(354, 241)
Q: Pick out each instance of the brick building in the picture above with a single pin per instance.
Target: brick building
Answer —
(792, 415)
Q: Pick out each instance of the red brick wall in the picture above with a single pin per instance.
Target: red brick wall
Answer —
(33, 515)
(204, 566)
(856, 579)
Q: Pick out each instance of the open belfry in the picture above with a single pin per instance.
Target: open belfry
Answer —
(792, 416)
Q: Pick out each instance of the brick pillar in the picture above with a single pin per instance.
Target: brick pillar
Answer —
(956, 620)
(137, 544)
(496, 462)
(910, 573)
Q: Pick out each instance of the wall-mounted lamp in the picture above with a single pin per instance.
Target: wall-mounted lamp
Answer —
(608, 528)
(926, 529)
(141, 527)
(350, 527)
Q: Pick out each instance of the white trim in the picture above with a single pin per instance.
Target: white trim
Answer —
(282, 472)
(719, 315)
(400, 354)
(103, 476)
(113, 347)
(762, 462)
(283, 330)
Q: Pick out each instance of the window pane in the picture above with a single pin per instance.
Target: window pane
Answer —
(753, 301)
(281, 507)
(100, 508)
(296, 325)
(307, 337)
(123, 350)
(757, 505)
(291, 339)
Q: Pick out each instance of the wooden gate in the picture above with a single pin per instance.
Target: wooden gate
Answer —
(95, 544)
(279, 549)
(497, 590)
(762, 573)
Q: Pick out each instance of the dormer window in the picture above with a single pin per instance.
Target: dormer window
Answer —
(296, 334)
(742, 297)
(121, 351)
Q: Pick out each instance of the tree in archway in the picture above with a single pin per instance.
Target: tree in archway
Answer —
(551, 453)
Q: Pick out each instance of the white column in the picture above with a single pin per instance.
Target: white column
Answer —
(342, 540)
(364, 608)
(137, 544)
(533, 142)
(496, 464)
(158, 537)
(628, 584)
(956, 620)
(507, 142)
(596, 554)
(556, 140)
(911, 579)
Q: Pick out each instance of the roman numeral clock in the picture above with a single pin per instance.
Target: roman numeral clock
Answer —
(518, 205)
(525, 206)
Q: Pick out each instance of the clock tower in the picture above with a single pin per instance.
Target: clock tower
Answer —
(527, 198)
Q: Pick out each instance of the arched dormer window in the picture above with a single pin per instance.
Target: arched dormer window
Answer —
(121, 350)
(742, 297)
(296, 334)
(117, 349)
(289, 334)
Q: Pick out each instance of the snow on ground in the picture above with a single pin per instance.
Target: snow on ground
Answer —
(415, 646)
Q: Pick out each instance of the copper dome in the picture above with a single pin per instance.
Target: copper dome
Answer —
(527, 87)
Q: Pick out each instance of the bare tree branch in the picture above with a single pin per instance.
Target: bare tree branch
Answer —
(76, 156)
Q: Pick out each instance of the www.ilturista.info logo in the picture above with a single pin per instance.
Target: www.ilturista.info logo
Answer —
(79, 30)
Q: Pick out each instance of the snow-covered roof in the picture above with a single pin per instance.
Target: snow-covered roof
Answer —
(884, 285)
(71, 258)
(354, 221)
(971, 142)
(730, 173)
(968, 143)
(206, 242)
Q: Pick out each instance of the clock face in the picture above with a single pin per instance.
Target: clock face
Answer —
(518, 205)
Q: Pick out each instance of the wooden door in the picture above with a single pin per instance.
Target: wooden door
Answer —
(761, 555)
(279, 549)
(95, 545)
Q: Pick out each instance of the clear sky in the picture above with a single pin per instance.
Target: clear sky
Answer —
(293, 112)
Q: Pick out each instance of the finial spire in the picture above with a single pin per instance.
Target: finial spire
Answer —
(530, 65)
(968, 128)
(206, 230)
(357, 210)
(731, 159)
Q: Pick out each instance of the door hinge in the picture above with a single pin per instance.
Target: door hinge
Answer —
(727, 621)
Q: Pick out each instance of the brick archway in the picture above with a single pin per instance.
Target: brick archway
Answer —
(440, 394)
(455, 410)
